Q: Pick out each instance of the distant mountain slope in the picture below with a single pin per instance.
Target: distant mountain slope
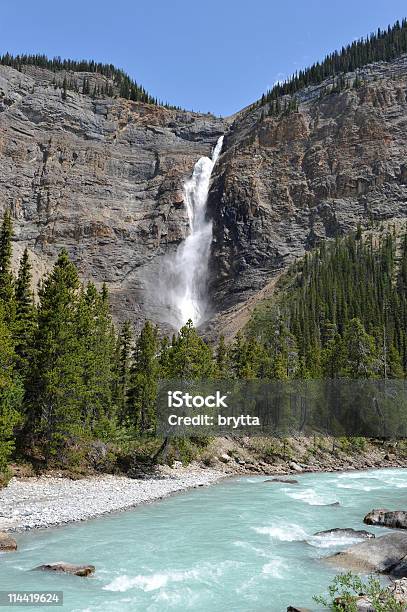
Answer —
(309, 324)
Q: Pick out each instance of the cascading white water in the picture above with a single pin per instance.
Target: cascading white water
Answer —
(186, 273)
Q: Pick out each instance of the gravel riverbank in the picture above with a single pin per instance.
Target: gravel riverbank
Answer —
(49, 501)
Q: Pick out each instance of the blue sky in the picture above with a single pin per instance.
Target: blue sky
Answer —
(212, 55)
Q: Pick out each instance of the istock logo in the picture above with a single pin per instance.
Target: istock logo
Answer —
(177, 399)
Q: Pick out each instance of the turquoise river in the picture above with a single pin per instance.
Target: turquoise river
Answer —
(241, 545)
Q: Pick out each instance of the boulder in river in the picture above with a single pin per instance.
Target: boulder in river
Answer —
(396, 519)
(382, 554)
(295, 609)
(400, 570)
(283, 480)
(7, 543)
(67, 568)
(347, 533)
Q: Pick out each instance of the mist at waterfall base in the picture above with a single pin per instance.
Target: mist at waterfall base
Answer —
(182, 284)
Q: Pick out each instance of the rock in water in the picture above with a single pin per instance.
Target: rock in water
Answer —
(351, 533)
(396, 519)
(400, 570)
(295, 609)
(7, 543)
(382, 554)
(67, 568)
(283, 480)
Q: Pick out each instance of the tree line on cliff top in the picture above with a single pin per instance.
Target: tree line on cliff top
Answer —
(66, 373)
(383, 45)
(118, 82)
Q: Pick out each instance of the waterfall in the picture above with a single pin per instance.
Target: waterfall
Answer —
(186, 273)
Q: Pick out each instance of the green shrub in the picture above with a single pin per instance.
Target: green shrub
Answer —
(346, 589)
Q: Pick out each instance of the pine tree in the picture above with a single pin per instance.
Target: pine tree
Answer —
(188, 357)
(55, 388)
(332, 357)
(142, 395)
(221, 359)
(394, 364)
(64, 89)
(122, 375)
(245, 357)
(96, 359)
(359, 358)
(25, 317)
(11, 395)
(6, 275)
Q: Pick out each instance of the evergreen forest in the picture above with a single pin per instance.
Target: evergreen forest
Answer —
(69, 379)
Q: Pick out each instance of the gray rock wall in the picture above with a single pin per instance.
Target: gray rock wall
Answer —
(101, 177)
(284, 184)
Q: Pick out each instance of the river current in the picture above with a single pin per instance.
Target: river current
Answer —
(241, 545)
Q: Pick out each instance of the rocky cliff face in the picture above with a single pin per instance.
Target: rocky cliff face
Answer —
(285, 183)
(100, 177)
(103, 178)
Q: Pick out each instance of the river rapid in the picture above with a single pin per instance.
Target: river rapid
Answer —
(242, 545)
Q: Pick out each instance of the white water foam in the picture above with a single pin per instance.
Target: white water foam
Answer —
(332, 541)
(250, 548)
(159, 580)
(311, 497)
(284, 533)
(360, 475)
(358, 487)
(182, 283)
(146, 583)
(275, 568)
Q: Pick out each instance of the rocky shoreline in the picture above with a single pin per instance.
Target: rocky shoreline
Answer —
(56, 498)
(49, 501)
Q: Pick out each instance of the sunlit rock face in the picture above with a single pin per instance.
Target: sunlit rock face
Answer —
(285, 183)
(106, 178)
(101, 177)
